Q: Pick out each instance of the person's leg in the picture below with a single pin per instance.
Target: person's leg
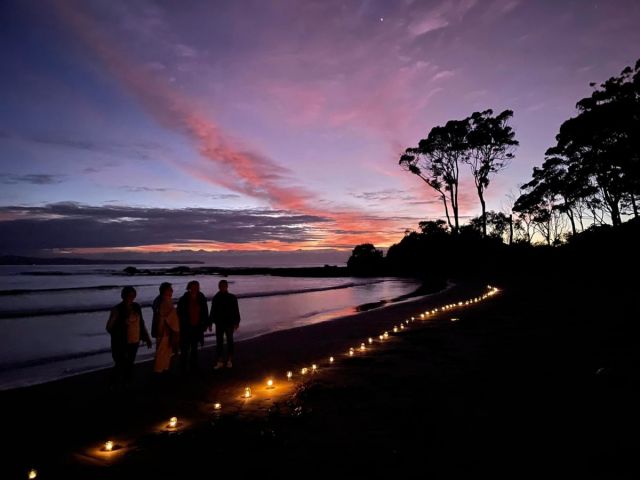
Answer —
(230, 346)
(184, 350)
(193, 356)
(117, 372)
(130, 357)
(219, 343)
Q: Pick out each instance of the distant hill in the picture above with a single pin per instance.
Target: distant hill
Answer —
(18, 260)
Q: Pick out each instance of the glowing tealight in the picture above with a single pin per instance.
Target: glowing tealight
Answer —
(173, 422)
(381, 337)
(331, 359)
(108, 446)
(351, 351)
(33, 473)
(422, 315)
(385, 334)
(304, 371)
(247, 392)
(370, 340)
(314, 368)
(289, 375)
(395, 329)
(459, 304)
(270, 383)
(455, 319)
(217, 406)
(401, 326)
(362, 347)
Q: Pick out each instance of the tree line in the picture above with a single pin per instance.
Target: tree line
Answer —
(589, 178)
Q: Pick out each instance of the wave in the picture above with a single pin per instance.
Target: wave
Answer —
(28, 291)
(105, 308)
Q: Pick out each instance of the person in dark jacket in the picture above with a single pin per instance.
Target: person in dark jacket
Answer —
(126, 327)
(225, 314)
(193, 314)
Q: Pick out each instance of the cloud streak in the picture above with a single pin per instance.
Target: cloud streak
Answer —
(73, 226)
(229, 163)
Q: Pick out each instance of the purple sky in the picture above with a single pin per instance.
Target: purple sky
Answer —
(273, 125)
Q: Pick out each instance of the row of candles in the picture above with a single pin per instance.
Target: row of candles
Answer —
(173, 424)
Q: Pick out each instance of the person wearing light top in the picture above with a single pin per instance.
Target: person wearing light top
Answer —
(126, 327)
(165, 328)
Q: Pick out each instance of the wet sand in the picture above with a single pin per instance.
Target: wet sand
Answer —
(533, 379)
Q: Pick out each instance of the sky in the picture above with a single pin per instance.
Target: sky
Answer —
(249, 126)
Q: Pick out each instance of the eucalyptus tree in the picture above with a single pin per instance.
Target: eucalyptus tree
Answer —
(490, 143)
(437, 160)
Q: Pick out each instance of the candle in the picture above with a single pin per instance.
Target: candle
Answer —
(401, 326)
(395, 329)
(217, 406)
(330, 359)
(33, 473)
(386, 335)
(108, 445)
(380, 337)
(270, 383)
(362, 347)
(370, 340)
(351, 352)
(173, 422)
(247, 392)
(314, 367)
(304, 371)
(289, 375)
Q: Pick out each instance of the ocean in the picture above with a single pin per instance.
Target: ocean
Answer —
(52, 318)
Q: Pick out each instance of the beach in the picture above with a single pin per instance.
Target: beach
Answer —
(528, 379)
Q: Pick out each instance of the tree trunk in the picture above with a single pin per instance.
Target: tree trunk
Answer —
(484, 212)
(446, 210)
(454, 207)
(573, 222)
(510, 229)
(615, 213)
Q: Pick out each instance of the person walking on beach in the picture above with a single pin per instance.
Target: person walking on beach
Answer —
(126, 327)
(193, 314)
(165, 328)
(225, 314)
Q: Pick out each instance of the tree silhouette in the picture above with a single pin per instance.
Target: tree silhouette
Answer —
(490, 149)
(595, 164)
(366, 259)
(436, 161)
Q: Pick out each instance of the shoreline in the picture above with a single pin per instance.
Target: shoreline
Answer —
(424, 289)
(530, 379)
(79, 398)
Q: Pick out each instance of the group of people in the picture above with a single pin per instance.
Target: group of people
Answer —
(176, 329)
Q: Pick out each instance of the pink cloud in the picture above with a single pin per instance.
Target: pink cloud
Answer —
(236, 168)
